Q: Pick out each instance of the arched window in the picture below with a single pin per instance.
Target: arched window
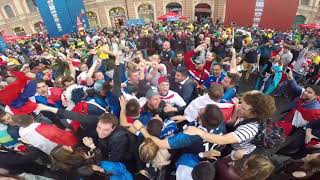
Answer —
(19, 31)
(299, 19)
(202, 11)
(9, 11)
(93, 19)
(31, 6)
(305, 2)
(117, 16)
(145, 12)
(174, 7)
(40, 27)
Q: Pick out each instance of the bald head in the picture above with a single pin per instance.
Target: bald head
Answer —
(166, 45)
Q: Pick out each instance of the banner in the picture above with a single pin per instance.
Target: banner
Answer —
(60, 16)
(3, 44)
(10, 38)
(258, 11)
(274, 14)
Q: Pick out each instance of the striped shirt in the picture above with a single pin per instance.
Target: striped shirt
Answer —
(245, 134)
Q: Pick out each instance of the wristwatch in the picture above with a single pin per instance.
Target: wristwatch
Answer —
(201, 155)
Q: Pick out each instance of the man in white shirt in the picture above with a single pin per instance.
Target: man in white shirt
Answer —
(213, 97)
(170, 97)
(286, 56)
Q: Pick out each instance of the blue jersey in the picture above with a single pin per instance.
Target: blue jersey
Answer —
(194, 144)
(212, 79)
(169, 126)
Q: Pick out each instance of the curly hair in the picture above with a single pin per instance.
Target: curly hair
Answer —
(263, 106)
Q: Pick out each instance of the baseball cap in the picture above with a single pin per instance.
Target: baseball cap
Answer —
(162, 79)
(199, 60)
(151, 93)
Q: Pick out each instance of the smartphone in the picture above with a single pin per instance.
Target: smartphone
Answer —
(288, 70)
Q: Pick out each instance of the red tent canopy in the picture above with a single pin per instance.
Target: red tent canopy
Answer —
(171, 15)
(310, 26)
(9, 38)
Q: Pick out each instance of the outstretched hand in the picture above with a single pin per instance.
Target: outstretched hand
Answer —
(87, 141)
(192, 130)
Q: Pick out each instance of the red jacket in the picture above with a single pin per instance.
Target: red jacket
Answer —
(197, 73)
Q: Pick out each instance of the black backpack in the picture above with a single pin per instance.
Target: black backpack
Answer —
(269, 135)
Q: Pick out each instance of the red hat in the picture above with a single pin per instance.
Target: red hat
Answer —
(162, 79)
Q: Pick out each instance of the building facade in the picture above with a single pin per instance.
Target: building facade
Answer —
(308, 12)
(21, 17)
(104, 13)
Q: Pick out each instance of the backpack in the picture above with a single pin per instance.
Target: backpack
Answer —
(269, 135)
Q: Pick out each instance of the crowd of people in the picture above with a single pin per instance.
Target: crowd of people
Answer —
(162, 101)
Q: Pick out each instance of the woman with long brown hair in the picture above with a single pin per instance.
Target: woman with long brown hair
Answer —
(255, 107)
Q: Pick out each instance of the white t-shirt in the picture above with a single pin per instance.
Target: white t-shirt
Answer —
(173, 99)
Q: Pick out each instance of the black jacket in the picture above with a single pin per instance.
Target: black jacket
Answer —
(116, 147)
(186, 91)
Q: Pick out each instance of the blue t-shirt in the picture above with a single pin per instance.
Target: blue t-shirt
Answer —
(229, 94)
(190, 160)
(195, 144)
(212, 79)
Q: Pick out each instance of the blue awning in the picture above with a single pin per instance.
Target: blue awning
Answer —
(135, 22)
(173, 19)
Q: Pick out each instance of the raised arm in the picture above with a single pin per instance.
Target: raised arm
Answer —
(65, 114)
(123, 117)
(71, 68)
(303, 53)
(162, 144)
(212, 138)
(297, 90)
(93, 68)
(116, 90)
(233, 62)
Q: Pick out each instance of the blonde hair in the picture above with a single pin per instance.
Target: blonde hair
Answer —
(148, 150)
(257, 167)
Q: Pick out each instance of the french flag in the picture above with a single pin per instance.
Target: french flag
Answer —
(16, 95)
(46, 137)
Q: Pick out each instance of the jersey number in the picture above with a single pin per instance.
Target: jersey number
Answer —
(207, 146)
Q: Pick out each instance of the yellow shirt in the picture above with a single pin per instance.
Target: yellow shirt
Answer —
(316, 60)
(102, 52)
(80, 44)
(191, 27)
(248, 40)
(14, 61)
